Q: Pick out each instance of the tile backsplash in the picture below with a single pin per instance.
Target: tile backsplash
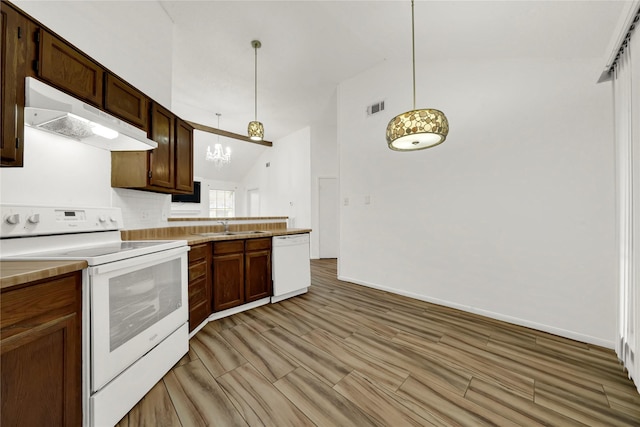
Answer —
(142, 209)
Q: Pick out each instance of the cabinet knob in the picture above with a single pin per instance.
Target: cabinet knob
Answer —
(12, 219)
(34, 219)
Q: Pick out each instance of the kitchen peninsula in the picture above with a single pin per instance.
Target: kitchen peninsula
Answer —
(230, 261)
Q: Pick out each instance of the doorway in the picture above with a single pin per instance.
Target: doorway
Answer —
(253, 202)
(328, 217)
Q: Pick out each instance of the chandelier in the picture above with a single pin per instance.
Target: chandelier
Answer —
(218, 156)
(416, 129)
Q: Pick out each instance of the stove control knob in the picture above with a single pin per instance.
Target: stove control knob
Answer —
(34, 219)
(113, 219)
(102, 218)
(12, 219)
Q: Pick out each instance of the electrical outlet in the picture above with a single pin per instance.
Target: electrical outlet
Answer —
(367, 200)
(144, 215)
(346, 201)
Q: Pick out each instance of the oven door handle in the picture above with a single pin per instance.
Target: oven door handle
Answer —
(141, 261)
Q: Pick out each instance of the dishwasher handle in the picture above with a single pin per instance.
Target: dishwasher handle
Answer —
(292, 239)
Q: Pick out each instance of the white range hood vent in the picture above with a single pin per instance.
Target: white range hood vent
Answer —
(50, 110)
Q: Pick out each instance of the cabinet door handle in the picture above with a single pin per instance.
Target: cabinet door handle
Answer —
(15, 117)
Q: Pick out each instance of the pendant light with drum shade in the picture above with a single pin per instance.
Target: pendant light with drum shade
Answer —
(255, 128)
(419, 128)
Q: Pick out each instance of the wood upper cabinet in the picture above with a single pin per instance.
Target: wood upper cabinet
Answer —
(167, 168)
(64, 66)
(257, 267)
(228, 274)
(30, 49)
(14, 39)
(41, 353)
(162, 157)
(199, 284)
(184, 156)
(125, 101)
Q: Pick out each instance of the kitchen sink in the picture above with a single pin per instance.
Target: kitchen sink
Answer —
(231, 233)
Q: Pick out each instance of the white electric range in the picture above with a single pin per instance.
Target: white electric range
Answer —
(135, 303)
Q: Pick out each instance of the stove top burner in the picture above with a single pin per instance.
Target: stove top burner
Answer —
(100, 253)
(103, 249)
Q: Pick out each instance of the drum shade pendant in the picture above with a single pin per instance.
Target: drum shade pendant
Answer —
(256, 129)
(416, 129)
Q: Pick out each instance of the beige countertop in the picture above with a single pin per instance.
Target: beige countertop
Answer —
(236, 218)
(196, 239)
(13, 273)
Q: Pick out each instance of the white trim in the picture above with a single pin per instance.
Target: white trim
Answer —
(228, 312)
(493, 315)
(239, 309)
(620, 32)
(197, 329)
(297, 292)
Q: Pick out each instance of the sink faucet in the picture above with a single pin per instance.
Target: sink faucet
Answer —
(226, 225)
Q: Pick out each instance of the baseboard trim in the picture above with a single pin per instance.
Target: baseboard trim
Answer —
(235, 310)
(493, 315)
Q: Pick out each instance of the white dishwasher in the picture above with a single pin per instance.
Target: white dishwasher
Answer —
(291, 270)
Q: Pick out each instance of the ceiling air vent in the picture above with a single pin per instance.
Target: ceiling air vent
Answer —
(375, 108)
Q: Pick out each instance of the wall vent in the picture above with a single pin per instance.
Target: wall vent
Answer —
(375, 108)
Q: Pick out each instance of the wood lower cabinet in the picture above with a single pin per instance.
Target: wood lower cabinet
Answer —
(241, 272)
(199, 284)
(14, 39)
(257, 267)
(228, 274)
(41, 327)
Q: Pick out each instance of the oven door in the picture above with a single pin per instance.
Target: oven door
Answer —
(135, 304)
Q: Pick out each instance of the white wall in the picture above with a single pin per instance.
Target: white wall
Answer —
(324, 162)
(65, 172)
(512, 217)
(284, 186)
(133, 39)
(58, 171)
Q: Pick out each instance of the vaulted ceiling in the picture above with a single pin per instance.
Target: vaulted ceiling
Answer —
(308, 47)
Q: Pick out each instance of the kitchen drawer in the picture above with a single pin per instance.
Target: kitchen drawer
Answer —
(197, 270)
(198, 252)
(197, 291)
(229, 247)
(258, 244)
(37, 304)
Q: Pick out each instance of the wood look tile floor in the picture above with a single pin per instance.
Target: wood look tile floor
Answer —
(347, 355)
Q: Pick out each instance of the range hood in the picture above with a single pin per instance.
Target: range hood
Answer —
(50, 110)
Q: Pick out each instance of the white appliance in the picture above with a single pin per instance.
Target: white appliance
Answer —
(291, 268)
(135, 306)
(51, 110)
